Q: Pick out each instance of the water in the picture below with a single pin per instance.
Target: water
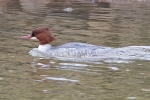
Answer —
(114, 23)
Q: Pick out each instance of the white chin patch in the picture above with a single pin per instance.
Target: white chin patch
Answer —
(33, 38)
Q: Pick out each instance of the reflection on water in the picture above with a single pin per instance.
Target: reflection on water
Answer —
(110, 23)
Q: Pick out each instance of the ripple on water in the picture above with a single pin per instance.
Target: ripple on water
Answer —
(61, 79)
(1, 78)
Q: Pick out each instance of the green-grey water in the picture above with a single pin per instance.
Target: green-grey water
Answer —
(111, 23)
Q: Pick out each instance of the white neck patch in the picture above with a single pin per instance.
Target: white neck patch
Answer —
(44, 48)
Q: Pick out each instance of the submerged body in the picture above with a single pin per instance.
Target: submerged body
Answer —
(88, 51)
(73, 49)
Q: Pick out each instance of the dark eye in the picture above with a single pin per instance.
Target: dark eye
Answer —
(33, 34)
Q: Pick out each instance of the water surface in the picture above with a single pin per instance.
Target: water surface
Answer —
(111, 23)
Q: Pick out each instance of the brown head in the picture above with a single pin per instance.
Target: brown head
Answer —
(43, 34)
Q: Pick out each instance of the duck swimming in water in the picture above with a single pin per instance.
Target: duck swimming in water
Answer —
(72, 49)
(83, 50)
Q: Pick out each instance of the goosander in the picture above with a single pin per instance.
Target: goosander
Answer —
(83, 50)
(73, 49)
